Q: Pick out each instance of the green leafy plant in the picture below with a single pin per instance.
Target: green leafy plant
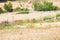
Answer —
(24, 11)
(49, 6)
(17, 9)
(12, 0)
(45, 6)
(48, 19)
(8, 7)
(58, 17)
(1, 10)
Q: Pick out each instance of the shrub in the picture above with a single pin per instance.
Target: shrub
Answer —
(24, 11)
(8, 7)
(1, 10)
(49, 6)
(17, 9)
(6, 23)
(37, 6)
(45, 6)
(34, 20)
(58, 17)
(12, 0)
(48, 19)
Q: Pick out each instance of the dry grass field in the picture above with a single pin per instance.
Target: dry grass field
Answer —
(30, 34)
(49, 31)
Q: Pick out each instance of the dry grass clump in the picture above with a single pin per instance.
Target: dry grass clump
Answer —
(44, 25)
(50, 25)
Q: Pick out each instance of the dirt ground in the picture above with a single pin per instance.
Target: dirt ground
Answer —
(30, 34)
